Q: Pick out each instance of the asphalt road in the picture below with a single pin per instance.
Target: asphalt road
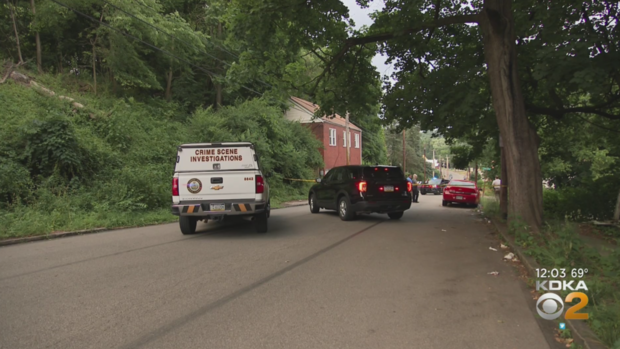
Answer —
(313, 281)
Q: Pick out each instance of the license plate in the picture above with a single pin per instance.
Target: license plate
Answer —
(218, 207)
(459, 198)
(388, 188)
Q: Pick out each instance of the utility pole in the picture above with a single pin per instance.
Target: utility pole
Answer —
(434, 163)
(476, 173)
(404, 154)
(503, 192)
(348, 140)
(424, 164)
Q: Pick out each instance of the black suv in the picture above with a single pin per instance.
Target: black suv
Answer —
(362, 189)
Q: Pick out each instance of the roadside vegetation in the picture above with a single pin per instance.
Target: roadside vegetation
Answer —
(110, 163)
(565, 243)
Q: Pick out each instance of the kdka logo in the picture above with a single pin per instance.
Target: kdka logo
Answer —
(550, 306)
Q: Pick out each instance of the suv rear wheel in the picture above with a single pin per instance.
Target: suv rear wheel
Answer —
(395, 215)
(188, 224)
(344, 209)
(260, 222)
(314, 207)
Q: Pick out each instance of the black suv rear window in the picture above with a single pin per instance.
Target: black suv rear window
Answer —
(383, 173)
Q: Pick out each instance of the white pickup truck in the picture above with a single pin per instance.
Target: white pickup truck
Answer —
(213, 180)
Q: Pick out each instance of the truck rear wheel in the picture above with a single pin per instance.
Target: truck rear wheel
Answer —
(188, 224)
(260, 222)
(395, 215)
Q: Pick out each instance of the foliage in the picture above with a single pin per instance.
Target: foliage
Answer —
(592, 200)
(67, 168)
(283, 146)
(560, 246)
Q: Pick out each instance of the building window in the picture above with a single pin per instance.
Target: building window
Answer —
(357, 140)
(332, 136)
(344, 138)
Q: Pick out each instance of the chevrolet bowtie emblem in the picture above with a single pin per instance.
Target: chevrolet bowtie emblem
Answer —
(217, 187)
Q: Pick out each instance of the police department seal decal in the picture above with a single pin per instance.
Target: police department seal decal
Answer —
(194, 185)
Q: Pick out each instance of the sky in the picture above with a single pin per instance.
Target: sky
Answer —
(360, 17)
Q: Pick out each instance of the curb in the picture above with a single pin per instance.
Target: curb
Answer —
(582, 333)
(51, 236)
(294, 205)
(63, 234)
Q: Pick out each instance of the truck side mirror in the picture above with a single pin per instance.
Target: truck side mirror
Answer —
(318, 180)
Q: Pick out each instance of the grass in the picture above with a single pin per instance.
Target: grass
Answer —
(29, 222)
(560, 246)
(67, 215)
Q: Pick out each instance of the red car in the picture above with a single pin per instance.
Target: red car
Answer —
(462, 192)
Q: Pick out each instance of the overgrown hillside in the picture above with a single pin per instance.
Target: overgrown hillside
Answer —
(110, 162)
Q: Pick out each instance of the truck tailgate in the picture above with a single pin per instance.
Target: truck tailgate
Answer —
(224, 185)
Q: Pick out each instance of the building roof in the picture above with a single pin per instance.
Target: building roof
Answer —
(334, 119)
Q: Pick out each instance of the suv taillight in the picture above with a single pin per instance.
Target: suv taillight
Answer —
(260, 184)
(362, 187)
(409, 186)
(175, 186)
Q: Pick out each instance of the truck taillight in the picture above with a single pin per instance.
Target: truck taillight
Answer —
(260, 184)
(175, 186)
(409, 186)
(362, 187)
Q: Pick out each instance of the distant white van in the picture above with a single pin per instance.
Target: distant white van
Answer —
(214, 180)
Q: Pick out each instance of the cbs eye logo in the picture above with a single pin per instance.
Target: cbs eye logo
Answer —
(550, 306)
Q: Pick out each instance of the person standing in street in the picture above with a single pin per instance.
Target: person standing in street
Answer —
(415, 190)
(497, 185)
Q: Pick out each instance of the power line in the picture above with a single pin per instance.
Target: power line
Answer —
(146, 43)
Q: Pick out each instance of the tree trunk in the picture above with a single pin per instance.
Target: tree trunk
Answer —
(169, 85)
(617, 212)
(37, 40)
(519, 137)
(218, 86)
(94, 44)
(94, 69)
(19, 48)
(503, 193)
(113, 79)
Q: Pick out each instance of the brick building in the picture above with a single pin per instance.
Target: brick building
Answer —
(331, 131)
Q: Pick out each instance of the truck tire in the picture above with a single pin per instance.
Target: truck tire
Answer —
(260, 222)
(395, 215)
(268, 208)
(345, 211)
(314, 207)
(187, 225)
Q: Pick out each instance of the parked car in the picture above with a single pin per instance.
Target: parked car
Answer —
(362, 189)
(463, 192)
(214, 180)
(433, 186)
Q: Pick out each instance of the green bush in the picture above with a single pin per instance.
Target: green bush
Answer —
(286, 148)
(593, 200)
(111, 163)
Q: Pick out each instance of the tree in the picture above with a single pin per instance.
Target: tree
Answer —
(457, 66)
(19, 48)
(37, 40)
